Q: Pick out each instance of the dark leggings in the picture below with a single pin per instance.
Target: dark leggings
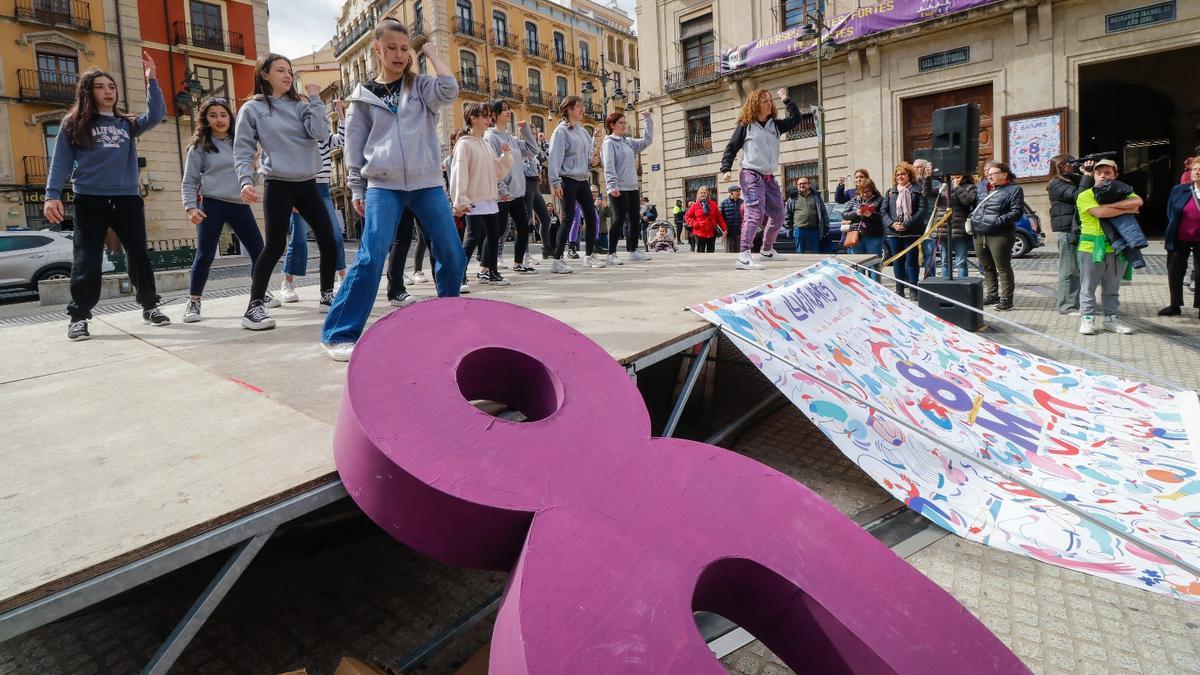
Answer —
(398, 256)
(487, 227)
(625, 210)
(126, 216)
(706, 244)
(279, 198)
(1177, 264)
(535, 204)
(576, 192)
(516, 210)
(422, 251)
(208, 237)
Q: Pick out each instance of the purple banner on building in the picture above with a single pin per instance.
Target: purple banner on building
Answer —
(858, 23)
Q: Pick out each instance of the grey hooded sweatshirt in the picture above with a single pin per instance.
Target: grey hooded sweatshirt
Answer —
(397, 149)
(571, 150)
(512, 186)
(288, 132)
(619, 155)
(211, 173)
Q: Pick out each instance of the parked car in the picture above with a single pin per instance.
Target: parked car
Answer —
(786, 243)
(30, 256)
(1029, 234)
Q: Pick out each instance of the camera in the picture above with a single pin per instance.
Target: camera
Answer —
(1094, 157)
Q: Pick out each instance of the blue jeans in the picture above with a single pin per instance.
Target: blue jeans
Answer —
(208, 237)
(869, 246)
(295, 262)
(348, 315)
(908, 266)
(808, 239)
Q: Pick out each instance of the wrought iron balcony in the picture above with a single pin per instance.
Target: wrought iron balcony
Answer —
(206, 37)
(693, 73)
(806, 129)
(47, 86)
(593, 111)
(341, 44)
(37, 169)
(536, 50)
(564, 58)
(473, 83)
(73, 14)
(469, 28)
(699, 145)
(506, 40)
(417, 30)
(589, 66)
(540, 99)
(508, 91)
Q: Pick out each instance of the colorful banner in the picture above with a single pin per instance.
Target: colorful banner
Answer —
(1069, 466)
(857, 23)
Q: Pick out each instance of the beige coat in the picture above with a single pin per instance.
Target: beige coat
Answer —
(475, 171)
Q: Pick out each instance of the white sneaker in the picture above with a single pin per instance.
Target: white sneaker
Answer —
(287, 292)
(340, 351)
(402, 300)
(638, 256)
(464, 289)
(613, 259)
(408, 280)
(746, 261)
(192, 313)
(1113, 326)
(594, 261)
(1087, 325)
(771, 255)
(530, 261)
(419, 277)
(560, 267)
(270, 301)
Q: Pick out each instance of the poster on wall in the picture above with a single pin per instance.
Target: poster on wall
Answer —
(1031, 139)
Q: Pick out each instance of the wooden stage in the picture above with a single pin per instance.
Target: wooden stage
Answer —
(143, 438)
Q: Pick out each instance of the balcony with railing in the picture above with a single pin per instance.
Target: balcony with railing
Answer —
(506, 41)
(806, 129)
(539, 98)
(47, 86)
(508, 91)
(73, 14)
(593, 111)
(536, 50)
(206, 37)
(589, 66)
(698, 144)
(417, 29)
(694, 72)
(469, 28)
(563, 58)
(473, 83)
(37, 169)
(354, 34)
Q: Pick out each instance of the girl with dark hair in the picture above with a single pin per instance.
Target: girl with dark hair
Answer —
(393, 158)
(1066, 182)
(210, 171)
(512, 185)
(757, 137)
(474, 174)
(993, 223)
(288, 129)
(97, 142)
(961, 193)
(572, 155)
(619, 156)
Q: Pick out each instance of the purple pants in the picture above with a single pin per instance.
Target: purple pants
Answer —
(764, 199)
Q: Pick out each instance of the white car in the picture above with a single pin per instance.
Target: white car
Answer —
(27, 257)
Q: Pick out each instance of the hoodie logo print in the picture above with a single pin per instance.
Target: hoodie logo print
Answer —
(110, 136)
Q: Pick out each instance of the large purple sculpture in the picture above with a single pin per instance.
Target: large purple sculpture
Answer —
(613, 538)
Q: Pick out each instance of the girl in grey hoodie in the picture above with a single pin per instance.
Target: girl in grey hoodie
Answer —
(512, 186)
(393, 156)
(288, 130)
(573, 153)
(619, 154)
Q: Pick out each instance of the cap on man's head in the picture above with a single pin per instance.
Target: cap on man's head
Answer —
(735, 188)
(1105, 162)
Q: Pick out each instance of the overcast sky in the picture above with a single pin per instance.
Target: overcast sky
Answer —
(300, 27)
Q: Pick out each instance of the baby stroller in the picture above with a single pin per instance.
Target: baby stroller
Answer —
(651, 241)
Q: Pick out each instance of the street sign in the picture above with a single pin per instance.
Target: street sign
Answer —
(1142, 16)
(950, 57)
(656, 167)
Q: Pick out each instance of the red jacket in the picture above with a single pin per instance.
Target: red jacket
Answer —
(705, 226)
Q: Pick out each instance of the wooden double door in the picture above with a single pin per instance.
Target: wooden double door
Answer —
(918, 120)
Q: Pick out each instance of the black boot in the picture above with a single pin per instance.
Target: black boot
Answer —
(991, 300)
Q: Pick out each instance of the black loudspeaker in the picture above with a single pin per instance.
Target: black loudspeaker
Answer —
(968, 291)
(956, 139)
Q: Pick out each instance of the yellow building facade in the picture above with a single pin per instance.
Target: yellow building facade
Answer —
(44, 46)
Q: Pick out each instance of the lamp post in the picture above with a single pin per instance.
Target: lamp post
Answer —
(190, 96)
(815, 28)
(588, 91)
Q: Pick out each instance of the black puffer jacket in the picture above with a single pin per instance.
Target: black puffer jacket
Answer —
(871, 225)
(1063, 191)
(962, 200)
(999, 213)
(914, 225)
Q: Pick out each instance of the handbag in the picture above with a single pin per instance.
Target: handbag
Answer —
(968, 226)
(852, 239)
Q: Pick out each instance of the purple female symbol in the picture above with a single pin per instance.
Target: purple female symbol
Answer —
(613, 538)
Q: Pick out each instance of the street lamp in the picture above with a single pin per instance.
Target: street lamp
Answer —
(190, 96)
(618, 99)
(815, 29)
